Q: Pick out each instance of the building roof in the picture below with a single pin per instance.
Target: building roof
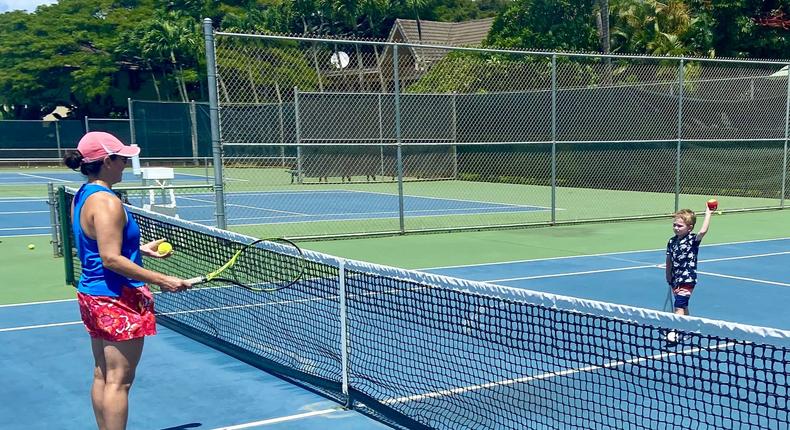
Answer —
(467, 33)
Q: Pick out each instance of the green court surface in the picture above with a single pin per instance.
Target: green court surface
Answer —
(35, 275)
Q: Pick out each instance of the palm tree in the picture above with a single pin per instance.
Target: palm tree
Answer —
(169, 39)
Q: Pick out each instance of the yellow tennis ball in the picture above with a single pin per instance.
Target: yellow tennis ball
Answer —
(31, 246)
(164, 248)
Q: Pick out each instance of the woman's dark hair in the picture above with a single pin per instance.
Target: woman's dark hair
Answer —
(73, 159)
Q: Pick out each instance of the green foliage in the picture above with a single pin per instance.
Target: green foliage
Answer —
(471, 72)
(656, 28)
(546, 24)
(91, 55)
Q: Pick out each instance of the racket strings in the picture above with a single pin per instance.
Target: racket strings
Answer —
(266, 269)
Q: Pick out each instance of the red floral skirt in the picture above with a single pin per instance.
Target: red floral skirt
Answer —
(129, 316)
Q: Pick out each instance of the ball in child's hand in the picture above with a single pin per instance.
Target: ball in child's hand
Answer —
(164, 248)
(713, 204)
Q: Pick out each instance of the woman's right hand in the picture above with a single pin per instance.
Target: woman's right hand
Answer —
(171, 284)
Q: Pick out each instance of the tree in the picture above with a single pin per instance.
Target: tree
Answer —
(546, 24)
(63, 55)
(176, 39)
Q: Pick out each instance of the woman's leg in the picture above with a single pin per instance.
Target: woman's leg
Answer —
(121, 359)
(97, 389)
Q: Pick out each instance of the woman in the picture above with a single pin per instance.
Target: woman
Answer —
(115, 303)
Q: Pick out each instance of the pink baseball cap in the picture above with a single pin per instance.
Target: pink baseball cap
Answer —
(98, 145)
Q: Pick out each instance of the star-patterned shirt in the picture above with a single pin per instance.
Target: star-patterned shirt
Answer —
(683, 255)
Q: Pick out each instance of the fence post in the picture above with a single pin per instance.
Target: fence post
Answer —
(193, 121)
(216, 148)
(57, 139)
(131, 121)
(298, 132)
(398, 139)
(87, 125)
(680, 135)
(787, 133)
(553, 138)
(454, 134)
(381, 138)
(280, 117)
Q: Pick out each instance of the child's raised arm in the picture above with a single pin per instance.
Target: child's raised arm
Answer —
(704, 229)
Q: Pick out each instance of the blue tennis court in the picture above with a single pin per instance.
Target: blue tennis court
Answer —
(743, 282)
(24, 216)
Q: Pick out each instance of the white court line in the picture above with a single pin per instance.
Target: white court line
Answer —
(498, 204)
(603, 254)
(43, 177)
(394, 216)
(24, 235)
(21, 199)
(658, 266)
(23, 212)
(741, 278)
(770, 254)
(246, 207)
(549, 375)
(280, 419)
(585, 272)
(33, 327)
(46, 302)
(24, 228)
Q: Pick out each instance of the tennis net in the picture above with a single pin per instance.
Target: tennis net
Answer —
(417, 350)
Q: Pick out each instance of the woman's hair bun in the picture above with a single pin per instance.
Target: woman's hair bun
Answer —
(73, 159)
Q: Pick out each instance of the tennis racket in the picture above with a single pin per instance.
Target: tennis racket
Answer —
(265, 265)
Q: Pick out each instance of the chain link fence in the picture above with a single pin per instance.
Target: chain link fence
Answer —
(377, 137)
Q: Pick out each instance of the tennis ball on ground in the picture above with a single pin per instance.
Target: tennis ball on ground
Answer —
(719, 213)
(31, 246)
(164, 248)
(713, 204)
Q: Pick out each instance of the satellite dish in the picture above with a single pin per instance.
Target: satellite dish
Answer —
(339, 59)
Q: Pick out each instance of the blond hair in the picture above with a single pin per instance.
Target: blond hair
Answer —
(687, 215)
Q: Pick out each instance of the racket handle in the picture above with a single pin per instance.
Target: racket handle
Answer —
(197, 280)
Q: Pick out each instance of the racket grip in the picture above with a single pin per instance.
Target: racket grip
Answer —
(197, 280)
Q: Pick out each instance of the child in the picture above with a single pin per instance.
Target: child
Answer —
(682, 250)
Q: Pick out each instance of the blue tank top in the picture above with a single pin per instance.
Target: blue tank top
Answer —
(95, 279)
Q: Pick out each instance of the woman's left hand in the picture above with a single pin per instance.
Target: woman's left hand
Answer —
(151, 249)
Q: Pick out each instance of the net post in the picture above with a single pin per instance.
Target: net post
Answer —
(344, 332)
(398, 137)
(216, 148)
(52, 201)
(65, 238)
(680, 135)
